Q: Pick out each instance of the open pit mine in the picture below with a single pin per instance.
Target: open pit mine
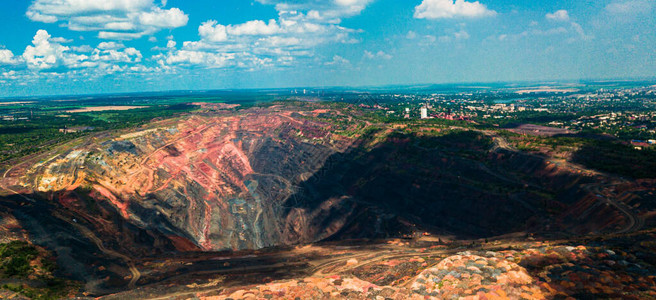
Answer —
(316, 201)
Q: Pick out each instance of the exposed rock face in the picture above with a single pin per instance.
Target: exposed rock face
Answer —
(443, 280)
(279, 176)
(217, 181)
(282, 176)
(537, 272)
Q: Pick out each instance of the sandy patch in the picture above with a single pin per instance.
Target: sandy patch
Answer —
(546, 90)
(16, 102)
(103, 108)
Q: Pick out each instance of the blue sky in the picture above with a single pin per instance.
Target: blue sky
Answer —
(99, 46)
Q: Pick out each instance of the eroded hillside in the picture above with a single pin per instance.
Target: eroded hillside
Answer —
(288, 175)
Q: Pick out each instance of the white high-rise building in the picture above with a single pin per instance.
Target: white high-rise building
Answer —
(424, 113)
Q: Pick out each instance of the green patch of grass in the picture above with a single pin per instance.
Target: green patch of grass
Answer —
(54, 289)
(23, 261)
(617, 158)
(16, 258)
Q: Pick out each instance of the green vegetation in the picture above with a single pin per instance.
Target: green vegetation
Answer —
(45, 126)
(31, 271)
(538, 118)
(610, 156)
(55, 288)
(16, 258)
(618, 159)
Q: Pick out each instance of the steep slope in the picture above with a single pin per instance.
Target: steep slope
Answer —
(215, 182)
(279, 176)
(285, 175)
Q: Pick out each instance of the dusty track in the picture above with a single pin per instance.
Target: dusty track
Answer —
(635, 222)
(98, 242)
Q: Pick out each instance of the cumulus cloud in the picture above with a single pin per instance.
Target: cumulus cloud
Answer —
(128, 55)
(213, 32)
(212, 60)
(45, 53)
(301, 26)
(113, 19)
(560, 15)
(7, 57)
(563, 16)
(47, 57)
(447, 9)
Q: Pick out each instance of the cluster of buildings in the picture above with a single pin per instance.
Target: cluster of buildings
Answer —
(639, 145)
(627, 113)
(11, 118)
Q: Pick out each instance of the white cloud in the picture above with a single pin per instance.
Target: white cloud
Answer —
(321, 10)
(338, 60)
(563, 16)
(560, 15)
(630, 7)
(171, 44)
(255, 27)
(128, 55)
(580, 32)
(110, 35)
(10, 74)
(48, 58)
(377, 55)
(47, 54)
(446, 9)
(411, 35)
(461, 35)
(110, 46)
(7, 57)
(212, 31)
(163, 18)
(301, 26)
(83, 48)
(60, 40)
(572, 33)
(457, 36)
(113, 19)
(212, 60)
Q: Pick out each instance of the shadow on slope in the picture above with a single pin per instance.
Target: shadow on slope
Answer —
(98, 254)
(617, 158)
(451, 184)
(454, 184)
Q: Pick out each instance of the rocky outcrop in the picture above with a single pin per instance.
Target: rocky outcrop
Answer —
(218, 182)
(280, 175)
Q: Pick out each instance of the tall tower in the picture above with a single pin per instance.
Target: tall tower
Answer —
(424, 113)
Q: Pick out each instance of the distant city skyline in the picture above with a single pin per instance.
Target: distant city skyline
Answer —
(50, 47)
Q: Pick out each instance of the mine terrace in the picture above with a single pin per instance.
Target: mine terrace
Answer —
(539, 192)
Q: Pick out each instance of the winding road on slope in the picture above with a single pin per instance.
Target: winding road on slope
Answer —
(635, 222)
(99, 243)
(135, 274)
